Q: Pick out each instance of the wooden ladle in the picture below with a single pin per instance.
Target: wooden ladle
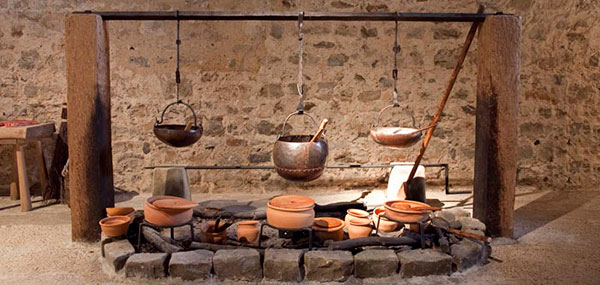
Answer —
(319, 131)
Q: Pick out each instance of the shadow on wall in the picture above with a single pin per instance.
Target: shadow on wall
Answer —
(548, 208)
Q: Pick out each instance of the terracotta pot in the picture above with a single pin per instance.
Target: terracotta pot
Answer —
(385, 225)
(115, 226)
(208, 235)
(247, 231)
(393, 209)
(166, 217)
(356, 214)
(358, 228)
(174, 204)
(119, 211)
(292, 202)
(328, 228)
(286, 218)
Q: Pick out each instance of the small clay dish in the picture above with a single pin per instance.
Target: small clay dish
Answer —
(119, 211)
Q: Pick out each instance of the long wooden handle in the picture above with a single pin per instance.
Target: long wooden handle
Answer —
(188, 126)
(319, 131)
(470, 235)
(442, 104)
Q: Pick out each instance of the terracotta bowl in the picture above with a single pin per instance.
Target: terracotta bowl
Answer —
(393, 209)
(208, 235)
(358, 228)
(328, 228)
(119, 211)
(385, 225)
(115, 226)
(285, 218)
(163, 217)
(355, 214)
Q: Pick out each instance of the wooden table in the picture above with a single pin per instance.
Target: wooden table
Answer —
(20, 137)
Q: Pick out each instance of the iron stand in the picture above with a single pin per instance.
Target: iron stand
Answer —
(307, 229)
(159, 229)
(421, 224)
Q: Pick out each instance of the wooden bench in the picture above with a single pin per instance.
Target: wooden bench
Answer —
(20, 137)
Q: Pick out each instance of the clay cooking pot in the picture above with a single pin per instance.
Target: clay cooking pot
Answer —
(166, 216)
(385, 225)
(247, 231)
(119, 211)
(115, 226)
(358, 228)
(396, 210)
(290, 212)
(356, 214)
(328, 228)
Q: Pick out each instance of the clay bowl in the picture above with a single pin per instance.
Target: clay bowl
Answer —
(115, 226)
(395, 210)
(356, 214)
(297, 159)
(169, 217)
(395, 137)
(290, 218)
(176, 135)
(119, 211)
(247, 231)
(328, 228)
(208, 235)
(358, 228)
(385, 225)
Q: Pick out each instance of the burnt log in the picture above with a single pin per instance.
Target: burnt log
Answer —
(160, 242)
(371, 241)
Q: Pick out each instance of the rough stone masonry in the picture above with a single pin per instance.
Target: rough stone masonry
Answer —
(241, 79)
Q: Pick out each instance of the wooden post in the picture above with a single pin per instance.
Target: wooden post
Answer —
(89, 135)
(498, 65)
(23, 183)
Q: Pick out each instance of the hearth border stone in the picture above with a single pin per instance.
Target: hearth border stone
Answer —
(326, 266)
(191, 265)
(375, 263)
(283, 265)
(147, 265)
(424, 262)
(238, 264)
(117, 252)
(468, 253)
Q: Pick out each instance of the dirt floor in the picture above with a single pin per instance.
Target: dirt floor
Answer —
(557, 234)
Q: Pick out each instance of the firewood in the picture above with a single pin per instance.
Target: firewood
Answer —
(370, 241)
(159, 241)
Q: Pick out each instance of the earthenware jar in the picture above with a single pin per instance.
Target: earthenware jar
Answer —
(290, 212)
(119, 211)
(167, 216)
(356, 214)
(115, 226)
(247, 231)
(328, 228)
(385, 225)
(208, 234)
(358, 228)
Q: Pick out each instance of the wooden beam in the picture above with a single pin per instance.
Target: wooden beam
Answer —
(498, 66)
(89, 135)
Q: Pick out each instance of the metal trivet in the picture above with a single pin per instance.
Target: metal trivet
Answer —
(307, 229)
(421, 224)
(159, 229)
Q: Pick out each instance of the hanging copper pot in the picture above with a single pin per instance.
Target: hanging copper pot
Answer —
(296, 158)
(177, 135)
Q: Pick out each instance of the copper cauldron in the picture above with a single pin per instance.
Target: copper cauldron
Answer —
(296, 158)
(177, 135)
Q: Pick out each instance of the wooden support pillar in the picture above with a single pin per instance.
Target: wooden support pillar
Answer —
(89, 134)
(498, 66)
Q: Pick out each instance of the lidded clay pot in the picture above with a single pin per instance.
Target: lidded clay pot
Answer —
(291, 212)
(247, 231)
(115, 226)
(328, 228)
(396, 210)
(358, 228)
(170, 213)
(356, 214)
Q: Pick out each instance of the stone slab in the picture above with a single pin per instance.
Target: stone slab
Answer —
(191, 265)
(468, 253)
(117, 252)
(237, 264)
(283, 265)
(375, 263)
(326, 266)
(424, 262)
(471, 224)
(146, 265)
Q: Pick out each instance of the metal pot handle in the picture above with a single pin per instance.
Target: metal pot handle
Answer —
(162, 116)
(390, 106)
(291, 115)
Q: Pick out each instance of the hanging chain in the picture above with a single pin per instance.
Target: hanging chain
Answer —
(177, 73)
(395, 70)
(300, 107)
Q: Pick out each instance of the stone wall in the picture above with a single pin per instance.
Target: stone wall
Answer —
(240, 77)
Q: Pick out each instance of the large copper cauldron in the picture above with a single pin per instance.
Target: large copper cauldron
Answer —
(296, 158)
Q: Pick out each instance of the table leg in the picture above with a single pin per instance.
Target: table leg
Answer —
(43, 171)
(14, 177)
(23, 184)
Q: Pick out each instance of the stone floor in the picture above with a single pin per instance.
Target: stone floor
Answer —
(556, 237)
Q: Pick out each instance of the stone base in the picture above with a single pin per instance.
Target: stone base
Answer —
(325, 266)
(171, 181)
(424, 262)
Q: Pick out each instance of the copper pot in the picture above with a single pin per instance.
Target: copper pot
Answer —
(396, 137)
(298, 159)
(177, 135)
